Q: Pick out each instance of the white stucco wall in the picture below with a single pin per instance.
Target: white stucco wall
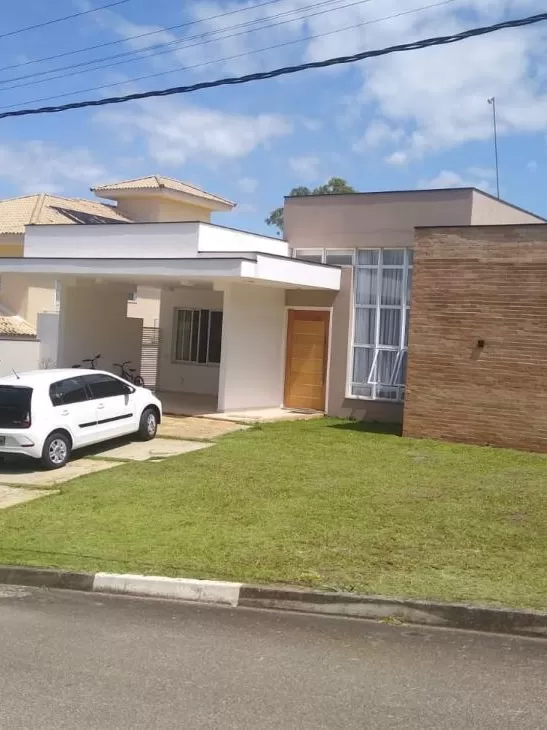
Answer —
(47, 329)
(253, 333)
(176, 376)
(93, 320)
(216, 239)
(19, 355)
(145, 240)
(110, 241)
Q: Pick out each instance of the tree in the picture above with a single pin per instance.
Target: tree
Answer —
(334, 186)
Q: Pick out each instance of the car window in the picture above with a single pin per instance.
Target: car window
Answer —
(65, 392)
(104, 386)
(15, 406)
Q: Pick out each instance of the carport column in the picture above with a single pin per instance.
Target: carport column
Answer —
(253, 335)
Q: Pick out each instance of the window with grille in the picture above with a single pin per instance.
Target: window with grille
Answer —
(198, 335)
(383, 280)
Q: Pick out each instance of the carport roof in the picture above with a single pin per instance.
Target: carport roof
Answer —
(257, 268)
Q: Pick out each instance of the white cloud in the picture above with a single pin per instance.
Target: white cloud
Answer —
(420, 102)
(452, 179)
(176, 132)
(439, 95)
(398, 158)
(314, 125)
(532, 166)
(305, 168)
(36, 166)
(487, 172)
(376, 134)
(248, 184)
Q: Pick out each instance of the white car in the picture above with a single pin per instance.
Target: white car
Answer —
(46, 414)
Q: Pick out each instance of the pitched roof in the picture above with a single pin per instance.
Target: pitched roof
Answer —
(160, 182)
(16, 213)
(13, 326)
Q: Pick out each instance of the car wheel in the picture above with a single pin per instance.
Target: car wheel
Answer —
(56, 451)
(148, 425)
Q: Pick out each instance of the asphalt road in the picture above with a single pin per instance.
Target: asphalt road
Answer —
(85, 661)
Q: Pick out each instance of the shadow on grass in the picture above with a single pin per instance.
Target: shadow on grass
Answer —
(389, 429)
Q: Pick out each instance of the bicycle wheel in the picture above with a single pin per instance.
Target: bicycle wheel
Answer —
(138, 381)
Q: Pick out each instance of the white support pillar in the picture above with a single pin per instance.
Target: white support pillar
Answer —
(253, 347)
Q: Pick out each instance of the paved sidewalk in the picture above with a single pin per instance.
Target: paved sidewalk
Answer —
(196, 428)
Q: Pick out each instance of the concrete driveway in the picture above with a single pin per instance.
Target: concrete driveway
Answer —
(22, 480)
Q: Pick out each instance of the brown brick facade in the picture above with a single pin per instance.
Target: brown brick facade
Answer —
(479, 283)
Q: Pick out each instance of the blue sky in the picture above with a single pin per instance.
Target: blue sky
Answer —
(410, 120)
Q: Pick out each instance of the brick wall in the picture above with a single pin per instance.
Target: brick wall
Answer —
(489, 283)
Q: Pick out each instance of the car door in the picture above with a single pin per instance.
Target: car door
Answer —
(73, 410)
(114, 401)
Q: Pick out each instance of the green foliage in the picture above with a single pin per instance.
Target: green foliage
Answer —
(334, 186)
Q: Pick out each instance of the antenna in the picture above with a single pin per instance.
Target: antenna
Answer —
(492, 102)
(16, 374)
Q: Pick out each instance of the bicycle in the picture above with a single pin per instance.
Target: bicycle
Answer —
(90, 361)
(129, 373)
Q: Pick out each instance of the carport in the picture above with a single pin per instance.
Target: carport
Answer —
(224, 303)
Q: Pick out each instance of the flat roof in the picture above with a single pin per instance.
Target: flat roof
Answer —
(420, 191)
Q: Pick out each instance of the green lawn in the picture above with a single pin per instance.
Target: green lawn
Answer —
(319, 503)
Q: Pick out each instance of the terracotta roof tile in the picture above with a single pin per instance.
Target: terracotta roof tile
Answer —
(13, 326)
(159, 182)
(16, 213)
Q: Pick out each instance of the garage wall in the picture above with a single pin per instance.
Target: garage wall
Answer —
(183, 377)
(93, 320)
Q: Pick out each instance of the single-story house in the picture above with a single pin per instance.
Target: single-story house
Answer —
(319, 321)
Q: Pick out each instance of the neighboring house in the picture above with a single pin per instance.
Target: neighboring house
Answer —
(19, 345)
(149, 199)
(318, 322)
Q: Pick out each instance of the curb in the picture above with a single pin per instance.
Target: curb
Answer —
(428, 613)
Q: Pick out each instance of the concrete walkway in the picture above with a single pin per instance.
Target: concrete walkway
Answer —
(191, 427)
(24, 480)
(10, 496)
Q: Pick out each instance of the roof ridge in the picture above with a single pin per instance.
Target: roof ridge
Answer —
(92, 201)
(128, 180)
(36, 211)
(19, 197)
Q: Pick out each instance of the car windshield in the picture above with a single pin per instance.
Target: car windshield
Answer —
(14, 406)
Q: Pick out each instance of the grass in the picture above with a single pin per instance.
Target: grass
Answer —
(327, 503)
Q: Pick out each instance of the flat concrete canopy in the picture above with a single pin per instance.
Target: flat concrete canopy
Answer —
(257, 268)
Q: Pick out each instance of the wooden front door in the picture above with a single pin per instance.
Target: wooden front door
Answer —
(306, 367)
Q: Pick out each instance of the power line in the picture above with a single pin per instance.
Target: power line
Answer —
(237, 80)
(60, 20)
(173, 46)
(141, 35)
(234, 57)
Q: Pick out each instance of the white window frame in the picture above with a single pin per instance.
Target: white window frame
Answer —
(174, 358)
(57, 294)
(299, 254)
(401, 349)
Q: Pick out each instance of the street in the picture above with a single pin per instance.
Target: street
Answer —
(88, 661)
